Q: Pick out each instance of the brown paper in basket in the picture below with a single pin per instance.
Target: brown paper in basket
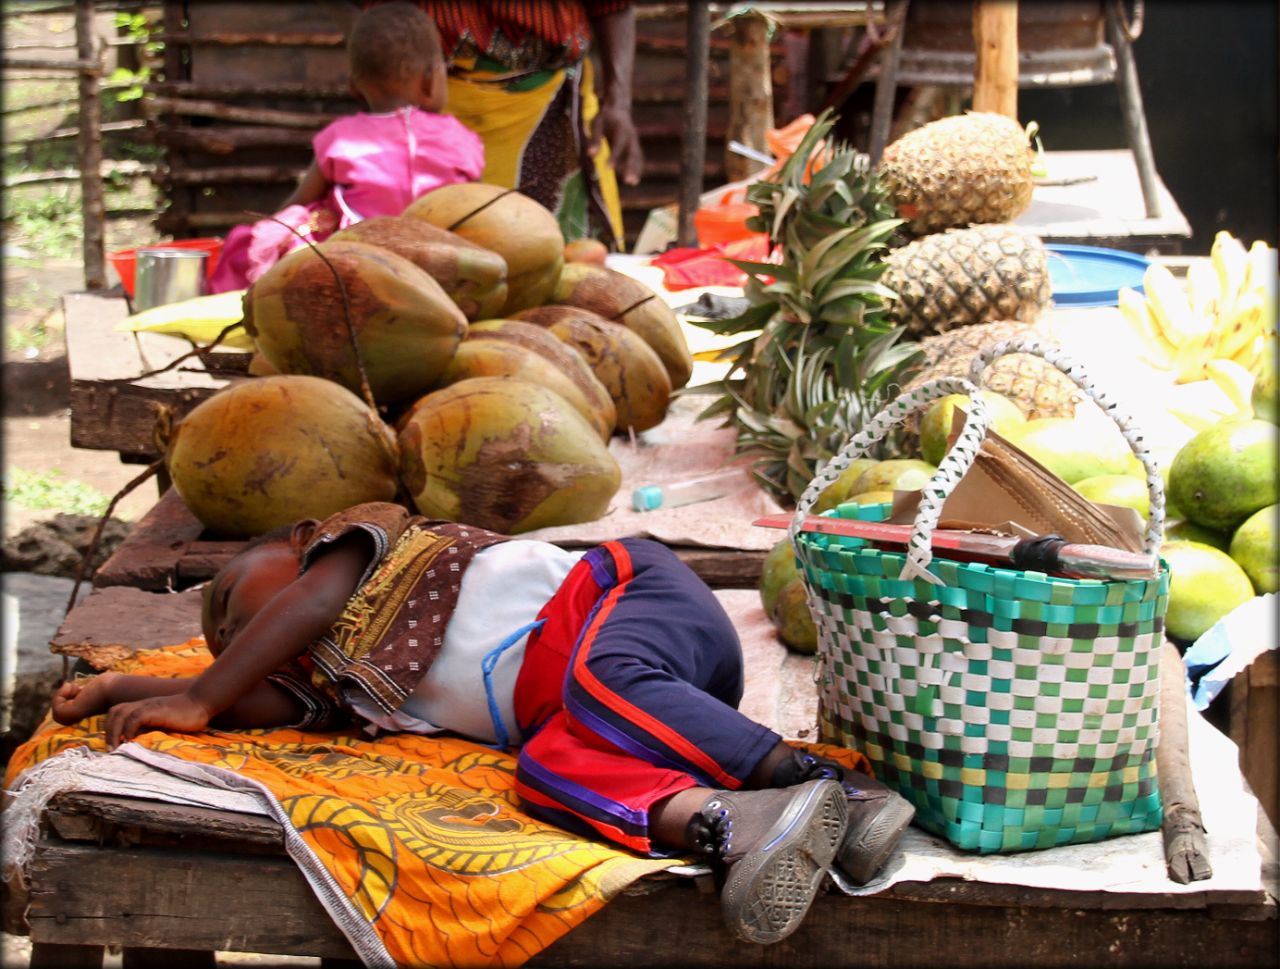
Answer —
(1007, 487)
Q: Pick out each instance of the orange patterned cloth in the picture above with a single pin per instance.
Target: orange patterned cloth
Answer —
(422, 835)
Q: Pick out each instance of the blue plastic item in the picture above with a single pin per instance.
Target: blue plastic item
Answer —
(1092, 276)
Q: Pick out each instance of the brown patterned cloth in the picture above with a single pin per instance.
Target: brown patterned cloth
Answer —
(392, 628)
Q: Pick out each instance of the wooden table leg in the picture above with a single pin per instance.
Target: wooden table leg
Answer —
(51, 955)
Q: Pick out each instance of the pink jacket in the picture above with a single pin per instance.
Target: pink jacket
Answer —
(379, 163)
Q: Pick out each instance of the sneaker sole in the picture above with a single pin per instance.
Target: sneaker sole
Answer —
(865, 851)
(769, 891)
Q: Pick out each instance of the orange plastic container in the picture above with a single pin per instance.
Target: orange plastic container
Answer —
(125, 261)
(726, 222)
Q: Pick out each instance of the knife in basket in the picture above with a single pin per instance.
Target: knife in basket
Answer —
(1044, 553)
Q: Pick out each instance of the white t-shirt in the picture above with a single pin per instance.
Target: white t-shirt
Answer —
(501, 594)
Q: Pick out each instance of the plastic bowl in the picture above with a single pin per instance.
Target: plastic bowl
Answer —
(125, 261)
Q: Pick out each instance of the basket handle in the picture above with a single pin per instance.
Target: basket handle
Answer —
(1132, 433)
(934, 494)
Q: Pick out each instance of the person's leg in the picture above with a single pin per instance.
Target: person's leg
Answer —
(628, 694)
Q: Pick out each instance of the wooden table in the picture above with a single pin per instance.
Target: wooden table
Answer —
(152, 876)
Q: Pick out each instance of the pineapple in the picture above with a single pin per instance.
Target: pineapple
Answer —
(962, 276)
(974, 167)
(819, 354)
(1038, 387)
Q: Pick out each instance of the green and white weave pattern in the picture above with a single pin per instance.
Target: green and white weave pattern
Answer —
(1015, 710)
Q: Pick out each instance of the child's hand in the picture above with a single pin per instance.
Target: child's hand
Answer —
(77, 699)
(177, 712)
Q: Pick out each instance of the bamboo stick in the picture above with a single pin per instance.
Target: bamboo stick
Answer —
(51, 64)
(227, 112)
(197, 92)
(995, 36)
(227, 140)
(92, 207)
(177, 175)
(130, 169)
(253, 39)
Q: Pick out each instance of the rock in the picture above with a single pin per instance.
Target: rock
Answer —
(33, 609)
(55, 547)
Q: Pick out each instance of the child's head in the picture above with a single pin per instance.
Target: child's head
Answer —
(395, 56)
(246, 583)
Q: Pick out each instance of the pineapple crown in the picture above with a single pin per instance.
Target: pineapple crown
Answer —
(819, 355)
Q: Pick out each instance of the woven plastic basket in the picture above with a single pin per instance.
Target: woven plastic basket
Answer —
(1014, 709)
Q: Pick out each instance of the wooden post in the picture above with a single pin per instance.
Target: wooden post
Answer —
(93, 211)
(995, 36)
(694, 149)
(750, 92)
(895, 13)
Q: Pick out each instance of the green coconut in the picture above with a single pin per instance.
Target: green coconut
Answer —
(504, 454)
(268, 451)
(405, 325)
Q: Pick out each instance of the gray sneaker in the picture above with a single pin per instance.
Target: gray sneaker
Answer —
(878, 816)
(777, 844)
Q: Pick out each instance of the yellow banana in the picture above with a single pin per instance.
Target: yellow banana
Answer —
(1250, 356)
(1234, 381)
(1170, 308)
(1204, 292)
(1137, 314)
(1228, 256)
(1246, 321)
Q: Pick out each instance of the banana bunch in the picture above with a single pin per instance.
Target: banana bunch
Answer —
(1226, 311)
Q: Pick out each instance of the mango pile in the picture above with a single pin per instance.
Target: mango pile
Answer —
(458, 357)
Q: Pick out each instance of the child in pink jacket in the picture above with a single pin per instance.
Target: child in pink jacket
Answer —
(374, 162)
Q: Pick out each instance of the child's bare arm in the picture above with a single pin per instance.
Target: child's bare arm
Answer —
(77, 699)
(265, 705)
(294, 618)
(313, 187)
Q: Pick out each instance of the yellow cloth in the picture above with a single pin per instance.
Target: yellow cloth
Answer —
(423, 835)
(506, 119)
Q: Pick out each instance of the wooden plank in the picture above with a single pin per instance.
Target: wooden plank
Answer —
(148, 558)
(88, 895)
(108, 820)
(113, 407)
(105, 627)
(1254, 720)
(166, 898)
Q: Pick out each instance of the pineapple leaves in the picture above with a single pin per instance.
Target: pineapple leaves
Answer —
(820, 356)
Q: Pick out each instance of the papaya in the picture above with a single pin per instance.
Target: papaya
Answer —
(405, 325)
(512, 348)
(628, 301)
(268, 451)
(519, 229)
(630, 370)
(504, 454)
(475, 278)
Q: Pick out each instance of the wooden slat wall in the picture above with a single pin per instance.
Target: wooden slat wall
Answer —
(247, 84)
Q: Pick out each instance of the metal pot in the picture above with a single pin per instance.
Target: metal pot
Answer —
(166, 274)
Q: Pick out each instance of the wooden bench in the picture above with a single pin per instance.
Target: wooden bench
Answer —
(187, 881)
(173, 884)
